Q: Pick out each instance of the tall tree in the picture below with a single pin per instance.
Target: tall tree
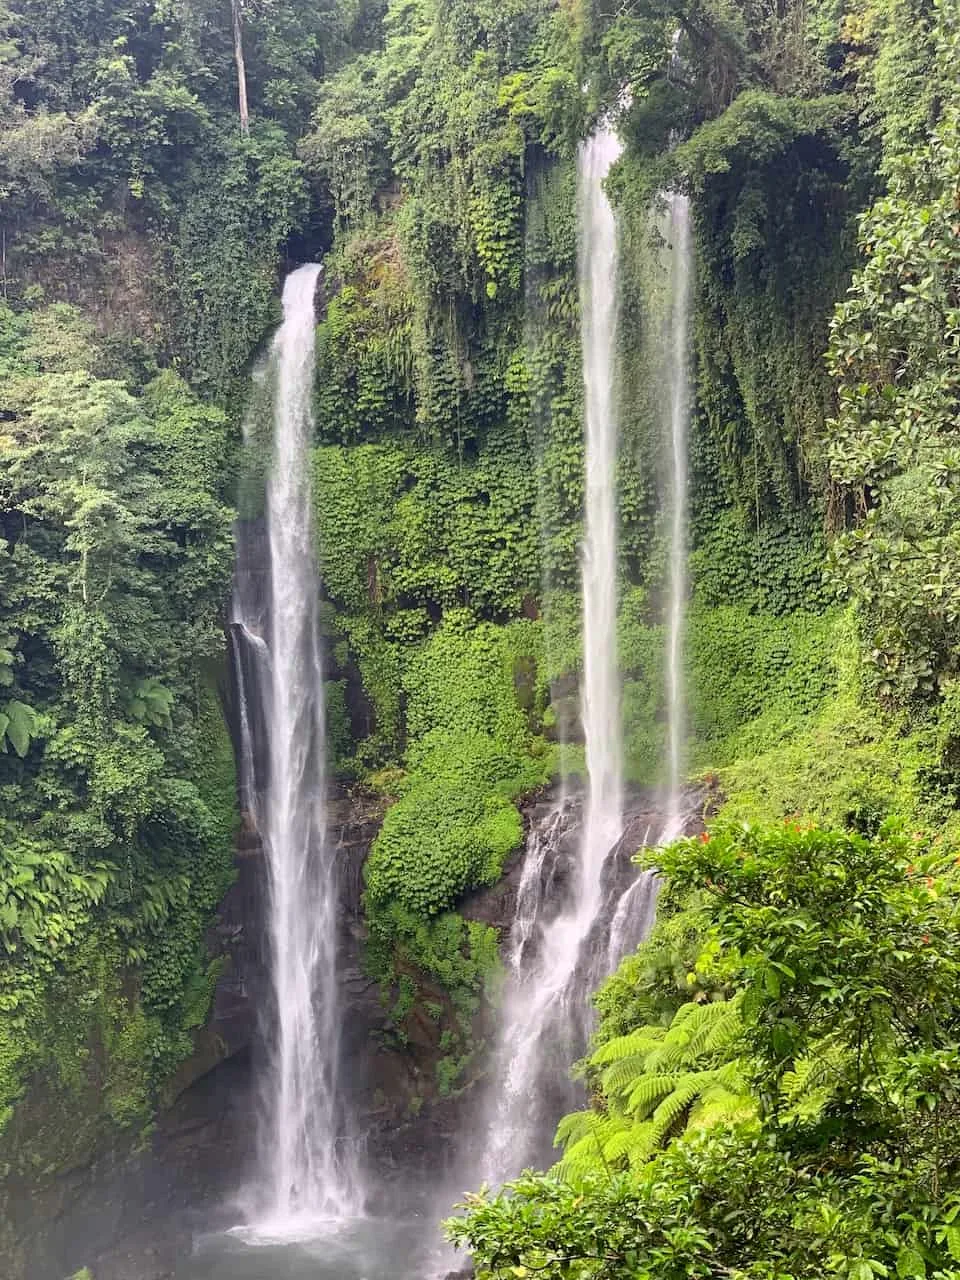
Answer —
(241, 66)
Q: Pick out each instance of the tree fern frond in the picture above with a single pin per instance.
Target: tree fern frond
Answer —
(658, 1081)
(574, 1126)
(589, 1153)
(720, 1032)
(674, 1108)
(706, 1028)
(813, 1082)
(633, 1145)
(641, 1145)
(620, 1075)
(647, 1092)
(718, 1104)
(640, 1042)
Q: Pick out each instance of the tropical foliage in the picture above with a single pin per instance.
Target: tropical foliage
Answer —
(782, 1045)
(843, 954)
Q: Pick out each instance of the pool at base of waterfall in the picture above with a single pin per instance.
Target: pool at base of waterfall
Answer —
(354, 1249)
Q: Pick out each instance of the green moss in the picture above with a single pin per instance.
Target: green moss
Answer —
(754, 678)
(850, 764)
(751, 678)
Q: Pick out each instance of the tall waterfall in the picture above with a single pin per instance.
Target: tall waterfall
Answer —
(308, 1170)
(543, 1025)
(676, 229)
(600, 697)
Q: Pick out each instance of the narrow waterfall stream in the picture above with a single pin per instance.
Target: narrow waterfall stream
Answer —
(600, 694)
(676, 229)
(307, 1167)
(574, 923)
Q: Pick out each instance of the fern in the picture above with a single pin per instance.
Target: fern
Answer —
(814, 1081)
(646, 1092)
(574, 1126)
(638, 1042)
(655, 1083)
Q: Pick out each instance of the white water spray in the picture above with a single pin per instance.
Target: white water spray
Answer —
(534, 1046)
(677, 232)
(543, 1020)
(308, 1169)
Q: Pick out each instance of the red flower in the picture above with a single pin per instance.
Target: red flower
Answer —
(703, 837)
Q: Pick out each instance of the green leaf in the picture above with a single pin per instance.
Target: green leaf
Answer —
(21, 726)
(910, 1263)
(952, 1237)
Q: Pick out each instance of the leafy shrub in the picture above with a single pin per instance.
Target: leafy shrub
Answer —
(445, 835)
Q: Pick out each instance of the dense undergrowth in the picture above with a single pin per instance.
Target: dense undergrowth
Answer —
(427, 150)
(117, 771)
(783, 1107)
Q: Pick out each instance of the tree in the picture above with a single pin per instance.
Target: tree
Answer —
(655, 1083)
(892, 450)
(237, 15)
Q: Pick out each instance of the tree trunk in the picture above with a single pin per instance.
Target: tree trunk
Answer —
(241, 67)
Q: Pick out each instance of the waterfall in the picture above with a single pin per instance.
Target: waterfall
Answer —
(600, 694)
(535, 1048)
(544, 1022)
(677, 232)
(307, 1168)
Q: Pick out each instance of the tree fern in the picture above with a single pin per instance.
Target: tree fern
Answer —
(655, 1083)
(573, 1127)
(646, 1092)
(814, 1081)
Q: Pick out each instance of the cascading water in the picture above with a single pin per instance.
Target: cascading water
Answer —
(634, 915)
(677, 232)
(535, 1048)
(543, 1023)
(600, 696)
(309, 1171)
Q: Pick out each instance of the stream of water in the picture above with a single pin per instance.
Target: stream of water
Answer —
(546, 1004)
(307, 1169)
(677, 232)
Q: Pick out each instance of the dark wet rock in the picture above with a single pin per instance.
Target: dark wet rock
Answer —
(130, 1214)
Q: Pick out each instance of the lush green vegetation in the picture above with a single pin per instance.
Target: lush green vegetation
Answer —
(796, 1116)
(116, 777)
(425, 148)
